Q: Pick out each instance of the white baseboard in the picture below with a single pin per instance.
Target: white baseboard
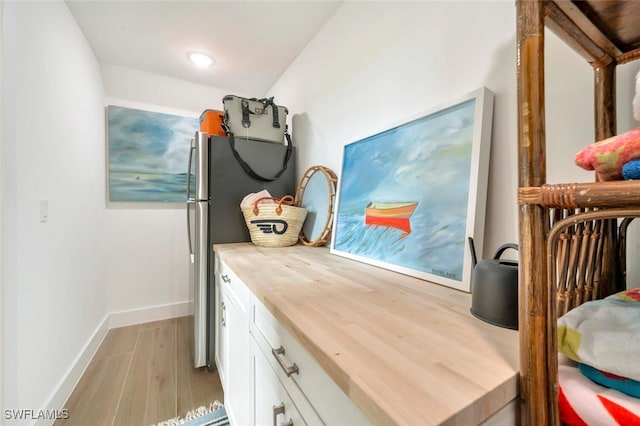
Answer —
(152, 313)
(114, 320)
(72, 377)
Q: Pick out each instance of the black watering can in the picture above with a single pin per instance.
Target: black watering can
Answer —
(494, 288)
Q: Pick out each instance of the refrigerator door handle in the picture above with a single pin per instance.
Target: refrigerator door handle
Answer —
(190, 201)
(192, 148)
(190, 204)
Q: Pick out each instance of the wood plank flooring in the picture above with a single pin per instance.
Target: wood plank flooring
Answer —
(141, 375)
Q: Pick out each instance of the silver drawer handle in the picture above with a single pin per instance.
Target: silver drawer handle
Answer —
(288, 370)
(223, 314)
(277, 410)
(225, 278)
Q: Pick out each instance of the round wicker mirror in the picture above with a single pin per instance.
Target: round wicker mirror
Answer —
(316, 192)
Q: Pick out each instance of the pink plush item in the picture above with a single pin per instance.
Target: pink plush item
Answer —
(608, 156)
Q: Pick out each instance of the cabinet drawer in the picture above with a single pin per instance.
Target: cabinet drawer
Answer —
(272, 403)
(228, 280)
(283, 351)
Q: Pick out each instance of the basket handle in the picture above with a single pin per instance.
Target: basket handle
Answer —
(287, 200)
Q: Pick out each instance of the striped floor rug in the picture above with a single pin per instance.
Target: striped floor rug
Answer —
(213, 415)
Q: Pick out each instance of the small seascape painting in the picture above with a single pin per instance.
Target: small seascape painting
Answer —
(148, 154)
(410, 196)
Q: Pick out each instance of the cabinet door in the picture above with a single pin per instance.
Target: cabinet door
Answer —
(272, 404)
(222, 333)
(237, 362)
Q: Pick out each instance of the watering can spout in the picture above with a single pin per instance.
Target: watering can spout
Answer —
(472, 247)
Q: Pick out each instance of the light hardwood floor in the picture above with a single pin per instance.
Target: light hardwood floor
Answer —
(141, 375)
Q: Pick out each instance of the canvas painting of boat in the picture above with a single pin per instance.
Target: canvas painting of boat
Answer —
(409, 197)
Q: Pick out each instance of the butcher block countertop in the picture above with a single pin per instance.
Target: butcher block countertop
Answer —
(406, 351)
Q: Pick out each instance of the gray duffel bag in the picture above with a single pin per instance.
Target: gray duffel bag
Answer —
(256, 119)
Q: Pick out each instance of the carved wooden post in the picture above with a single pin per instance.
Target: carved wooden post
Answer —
(605, 127)
(538, 400)
(605, 100)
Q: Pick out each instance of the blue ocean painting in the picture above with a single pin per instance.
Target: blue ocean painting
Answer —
(426, 161)
(148, 155)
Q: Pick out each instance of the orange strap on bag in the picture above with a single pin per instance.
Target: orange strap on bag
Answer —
(211, 121)
(287, 200)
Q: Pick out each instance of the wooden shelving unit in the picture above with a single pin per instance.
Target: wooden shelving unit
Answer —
(606, 34)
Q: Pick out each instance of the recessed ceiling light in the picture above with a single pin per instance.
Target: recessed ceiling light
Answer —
(200, 59)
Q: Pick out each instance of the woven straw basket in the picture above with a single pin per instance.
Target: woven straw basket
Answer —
(274, 225)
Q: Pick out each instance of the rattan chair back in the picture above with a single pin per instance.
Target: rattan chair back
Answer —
(576, 246)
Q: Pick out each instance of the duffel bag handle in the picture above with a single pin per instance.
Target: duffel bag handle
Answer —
(287, 200)
(266, 102)
(247, 168)
(246, 122)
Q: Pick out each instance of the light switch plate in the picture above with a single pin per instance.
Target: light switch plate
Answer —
(44, 211)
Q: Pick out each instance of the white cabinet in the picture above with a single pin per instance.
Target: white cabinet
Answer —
(232, 349)
(267, 376)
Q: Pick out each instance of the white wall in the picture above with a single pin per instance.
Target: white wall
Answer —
(625, 92)
(146, 248)
(570, 109)
(53, 149)
(376, 63)
(2, 280)
(144, 88)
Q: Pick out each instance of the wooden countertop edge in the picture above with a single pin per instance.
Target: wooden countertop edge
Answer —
(509, 389)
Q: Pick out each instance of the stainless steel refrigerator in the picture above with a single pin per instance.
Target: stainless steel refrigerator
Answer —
(220, 173)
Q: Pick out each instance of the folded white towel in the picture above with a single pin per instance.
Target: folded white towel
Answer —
(250, 199)
(604, 334)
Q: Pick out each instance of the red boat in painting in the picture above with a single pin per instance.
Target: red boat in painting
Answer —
(391, 214)
(390, 209)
